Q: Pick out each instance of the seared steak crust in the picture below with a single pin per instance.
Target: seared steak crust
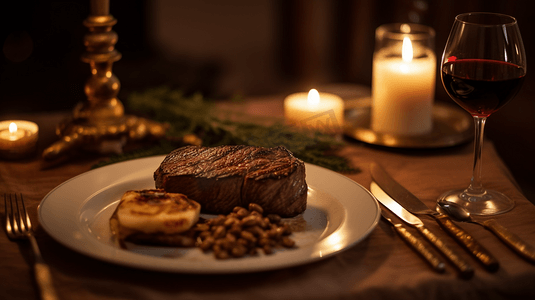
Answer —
(220, 178)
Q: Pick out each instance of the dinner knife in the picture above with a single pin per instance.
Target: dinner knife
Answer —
(464, 268)
(416, 206)
(415, 242)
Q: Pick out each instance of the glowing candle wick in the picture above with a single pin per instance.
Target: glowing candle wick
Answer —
(12, 128)
(406, 50)
(313, 97)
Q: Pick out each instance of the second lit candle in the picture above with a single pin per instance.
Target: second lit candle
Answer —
(315, 111)
(403, 82)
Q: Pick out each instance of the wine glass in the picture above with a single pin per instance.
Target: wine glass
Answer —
(482, 68)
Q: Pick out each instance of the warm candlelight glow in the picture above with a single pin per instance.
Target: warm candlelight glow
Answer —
(12, 133)
(403, 84)
(313, 97)
(12, 127)
(315, 111)
(17, 138)
(406, 50)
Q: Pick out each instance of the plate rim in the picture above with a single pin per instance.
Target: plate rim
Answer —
(119, 257)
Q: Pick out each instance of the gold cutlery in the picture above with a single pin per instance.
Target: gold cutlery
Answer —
(19, 227)
(510, 239)
(417, 207)
(460, 264)
(415, 242)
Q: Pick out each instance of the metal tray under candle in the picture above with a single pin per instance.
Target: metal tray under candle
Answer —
(451, 126)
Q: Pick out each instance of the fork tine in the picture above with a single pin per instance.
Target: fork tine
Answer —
(9, 228)
(18, 217)
(26, 216)
(14, 215)
(11, 223)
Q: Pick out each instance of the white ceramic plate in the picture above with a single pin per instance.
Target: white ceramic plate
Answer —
(339, 214)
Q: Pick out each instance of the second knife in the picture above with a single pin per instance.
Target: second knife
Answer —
(416, 206)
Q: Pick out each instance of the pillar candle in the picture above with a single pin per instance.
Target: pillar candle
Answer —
(403, 91)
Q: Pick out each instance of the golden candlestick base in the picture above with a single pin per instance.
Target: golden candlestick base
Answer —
(99, 124)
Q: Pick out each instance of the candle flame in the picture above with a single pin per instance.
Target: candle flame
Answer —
(406, 50)
(313, 97)
(12, 127)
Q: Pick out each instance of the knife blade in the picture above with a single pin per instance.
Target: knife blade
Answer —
(415, 242)
(460, 264)
(416, 206)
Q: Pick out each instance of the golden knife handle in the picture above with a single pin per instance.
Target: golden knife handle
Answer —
(460, 264)
(467, 241)
(511, 239)
(421, 248)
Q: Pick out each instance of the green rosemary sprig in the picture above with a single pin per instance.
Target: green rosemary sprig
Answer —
(188, 115)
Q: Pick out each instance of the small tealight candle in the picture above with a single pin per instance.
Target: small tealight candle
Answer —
(18, 138)
(315, 111)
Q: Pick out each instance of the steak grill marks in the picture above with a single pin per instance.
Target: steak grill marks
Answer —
(219, 162)
(236, 175)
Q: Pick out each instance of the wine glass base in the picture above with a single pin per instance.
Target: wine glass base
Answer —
(488, 203)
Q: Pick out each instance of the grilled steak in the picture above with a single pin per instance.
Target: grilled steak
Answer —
(221, 178)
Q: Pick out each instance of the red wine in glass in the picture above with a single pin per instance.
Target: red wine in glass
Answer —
(481, 86)
(482, 68)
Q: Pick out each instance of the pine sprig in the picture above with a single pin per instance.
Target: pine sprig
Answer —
(195, 115)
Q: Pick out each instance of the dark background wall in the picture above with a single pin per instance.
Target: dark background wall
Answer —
(222, 48)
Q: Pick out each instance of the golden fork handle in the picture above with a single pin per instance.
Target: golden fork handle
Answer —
(42, 274)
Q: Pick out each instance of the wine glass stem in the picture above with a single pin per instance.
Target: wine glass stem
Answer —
(476, 188)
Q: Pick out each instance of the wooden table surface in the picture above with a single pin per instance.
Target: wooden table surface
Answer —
(381, 266)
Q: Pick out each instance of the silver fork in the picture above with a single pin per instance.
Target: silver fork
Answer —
(18, 227)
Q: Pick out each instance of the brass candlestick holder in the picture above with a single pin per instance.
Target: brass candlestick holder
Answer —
(99, 124)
